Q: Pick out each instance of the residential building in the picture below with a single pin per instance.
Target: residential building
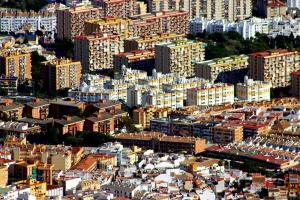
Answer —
(69, 125)
(271, 8)
(137, 59)
(274, 66)
(295, 85)
(293, 4)
(161, 142)
(160, 22)
(252, 90)
(37, 189)
(11, 111)
(163, 99)
(142, 116)
(15, 63)
(211, 94)
(18, 128)
(116, 8)
(14, 141)
(60, 74)
(16, 20)
(96, 51)
(149, 41)
(177, 56)
(37, 109)
(66, 106)
(108, 25)
(9, 86)
(227, 70)
(4, 176)
(61, 161)
(70, 21)
(225, 134)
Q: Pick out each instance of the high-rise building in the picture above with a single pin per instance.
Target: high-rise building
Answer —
(274, 66)
(61, 74)
(70, 21)
(208, 95)
(252, 90)
(149, 41)
(228, 70)
(116, 8)
(96, 51)
(15, 64)
(177, 56)
(295, 86)
(108, 25)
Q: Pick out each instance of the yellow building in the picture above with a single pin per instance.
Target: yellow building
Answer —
(108, 25)
(228, 69)
(211, 94)
(252, 90)
(177, 56)
(15, 64)
(4, 176)
(61, 74)
(37, 189)
(62, 161)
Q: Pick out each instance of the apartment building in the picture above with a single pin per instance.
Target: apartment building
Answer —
(163, 99)
(226, 133)
(69, 125)
(96, 51)
(160, 22)
(162, 143)
(149, 41)
(70, 21)
(252, 90)
(227, 70)
(61, 74)
(15, 63)
(108, 25)
(11, 111)
(140, 8)
(130, 75)
(4, 176)
(177, 56)
(16, 20)
(274, 66)
(37, 109)
(116, 8)
(271, 8)
(211, 94)
(137, 59)
(9, 85)
(66, 106)
(295, 85)
(142, 116)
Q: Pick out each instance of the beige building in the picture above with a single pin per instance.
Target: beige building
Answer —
(274, 66)
(61, 74)
(149, 41)
(252, 90)
(208, 95)
(15, 64)
(295, 83)
(142, 116)
(70, 21)
(227, 133)
(116, 8)
(4, 176)
(96, 51)
(108, 25)
(177, 56)
(225, 69)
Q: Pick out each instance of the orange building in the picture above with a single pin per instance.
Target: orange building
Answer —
(227, 133)
(37, 109)
(12, 140)
(16, 64)
(66, 106)
(11, 111)
(69, 125)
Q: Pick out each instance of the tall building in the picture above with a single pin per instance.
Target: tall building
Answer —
(293, 3)
(15, 64)
(149, 41)
(160, 22)
(61, 74)
(70, 21)
(108, 25)
(271, 8)
(252, 90)
(116, 8)
(96, 51)
(227, 133)
(274, 66)
(15, 20)
(177, 56)
(228, 70)
(295, 86)
(208, 95)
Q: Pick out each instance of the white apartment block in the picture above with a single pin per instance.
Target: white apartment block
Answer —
(293, 4)
(177, 56)
(130, 75)
(163, 99)
(252, 90)
(12, 21)
(94, 80)
(211, 94)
